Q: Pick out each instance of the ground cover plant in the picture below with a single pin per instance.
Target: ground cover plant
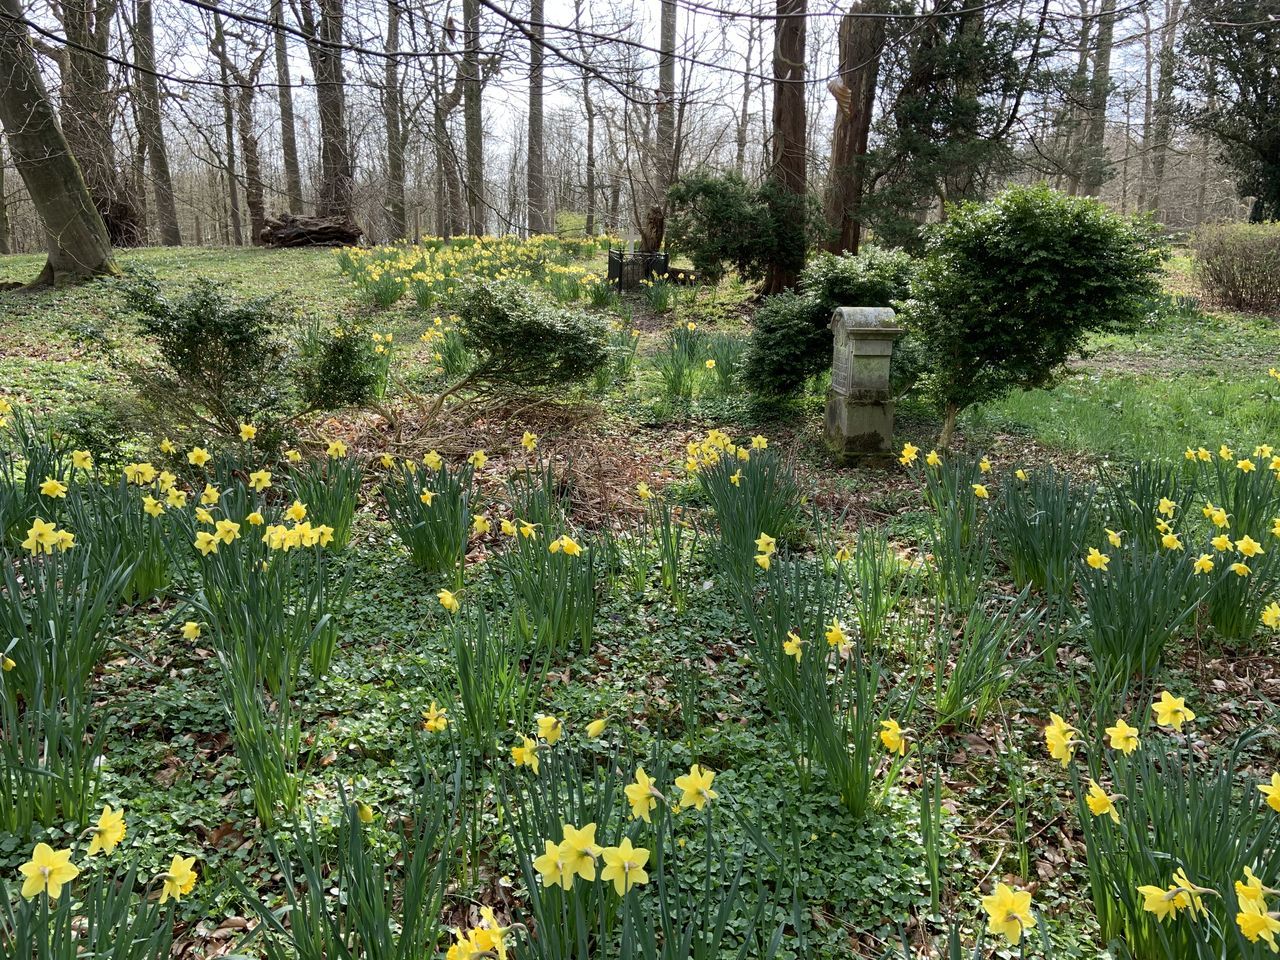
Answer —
(611, 669)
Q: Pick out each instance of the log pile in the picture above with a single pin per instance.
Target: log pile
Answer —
(288, 230)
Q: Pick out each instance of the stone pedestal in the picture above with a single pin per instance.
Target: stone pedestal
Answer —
(859, 403)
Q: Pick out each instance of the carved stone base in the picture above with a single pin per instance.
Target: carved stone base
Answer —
(858, 431)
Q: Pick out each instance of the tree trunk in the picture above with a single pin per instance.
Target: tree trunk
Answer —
(589, 228)
(228, 131)
(76, 237)
(4, 209)
(1096, 167)
(788, 171)
(744, 110)
(393, 117)
(653, 222)
(537, 184)
(254, 198)
(861, 42)
(151, 125)
(288, 131)
(86, 110)
(1162, 125)
(337, 178)
(473, 117)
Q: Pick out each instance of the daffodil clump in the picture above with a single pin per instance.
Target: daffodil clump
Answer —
(1174, 848)
(106, 907)
(430, 269)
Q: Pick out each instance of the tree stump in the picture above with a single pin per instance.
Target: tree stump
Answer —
(289, 230)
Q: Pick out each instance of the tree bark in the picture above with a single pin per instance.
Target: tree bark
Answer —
(473, 117)
(1162, 122)
(744, 109)
(337, 177)
(861, 42)
(393, 118)
(228, 131)
(75, 235)
(788, 173)
(652, 225)
(151, 125)
(288, 130)
(254, 191)
(1096, 167)
(536, 186)
(86, 111)
(5, 246)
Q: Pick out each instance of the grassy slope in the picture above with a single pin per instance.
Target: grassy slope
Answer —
(170, 765)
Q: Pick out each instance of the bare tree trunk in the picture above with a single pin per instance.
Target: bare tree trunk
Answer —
(288, 131)
(151, 125)
(789, 167)
(473, 117)
(744, 110)
(228, 130)
(1096, 167)
(5, 246)
(861, 42)
(254, 198)
(393, 116)
(536, 184)
(76, 237)
(337, 177)
(1162, 125)
(651, 221)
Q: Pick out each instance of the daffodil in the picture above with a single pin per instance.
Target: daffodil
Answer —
(644, 493)
(552, 869)
(933, 458)
(432, 460)
(642, 795)
(1203, 564)
(478, 459)
(1271, 615)
(1061, 739)
(579, 850)
(1272, 792)
(1249, 547)
(1257, 923)
(1172, 711)
(1166, 507)
(1100, 802)
(980, 491)
(260, 480)
(107, 833)
(198, 456)
(247, 432)
(526, 754)
(336, 449)
(82, 459)
(984, 465)
(139, 473)
(1123, 737)
(297, 511)
(624, 865)
(206, 543)
(893, 737)
(449, 600)
(435, 718)
(696, 787)
(529, 441)
(190, 630)
(47, 871)
(1097, 559)
(550, 729)
(179, 879)
(909, 453)
(1009, 912)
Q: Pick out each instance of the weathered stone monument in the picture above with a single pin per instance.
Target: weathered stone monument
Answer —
(859, 404)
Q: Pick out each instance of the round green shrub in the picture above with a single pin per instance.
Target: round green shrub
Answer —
(1010, 289)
